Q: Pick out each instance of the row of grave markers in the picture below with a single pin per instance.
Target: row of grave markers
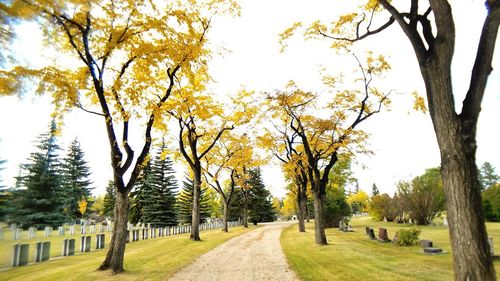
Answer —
(20, 255)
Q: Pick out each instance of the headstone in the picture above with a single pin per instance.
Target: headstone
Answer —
(71, 230)
(149, 225)
(60, 231)
(136, 235)
(48, 231)
(433, 250)
(145, 233)
(32, 232)
(372, 234)
(341, 225)
(110, 227)
(12, 226)
(68, 247)
(101, 228)
(426, 243)
(92, 229)
(100, 239)
(367, 229)
(153, 232)
(20, 255)
(42, 252)
(382, 234)
(16, 234)
(85, 245)
(1, 233)
(83, 229)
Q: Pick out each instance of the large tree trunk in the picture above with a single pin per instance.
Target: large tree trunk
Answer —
(302, 204)
(457, 145)
(245, 209)
(319, 224)
(116, 252)
(195, 219)
(225, 215)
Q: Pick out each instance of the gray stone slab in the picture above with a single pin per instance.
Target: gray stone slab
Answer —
(433, 250)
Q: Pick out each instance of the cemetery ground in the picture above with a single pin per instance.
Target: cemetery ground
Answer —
(152, 259)
(353, 256)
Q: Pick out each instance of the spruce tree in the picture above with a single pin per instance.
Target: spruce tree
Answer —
(109, 200)
(185, 203)
(261, 205)
(375, 190)
(4, 195)
(76, 182)
(159, 206)
(138, 197)
(39, 202)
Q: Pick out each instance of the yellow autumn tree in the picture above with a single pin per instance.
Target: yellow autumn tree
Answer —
(429, 27)
(358, 201)
(121, 60)
(202, 122)
(326, 127)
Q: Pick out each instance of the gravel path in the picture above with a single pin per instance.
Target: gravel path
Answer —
(255, 255)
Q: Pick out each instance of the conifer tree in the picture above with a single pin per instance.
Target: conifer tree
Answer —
(109, 200)
(261, 205)
(138, 197)
(75, 180)
(39, 201)
(4, 195)
(185, 203)
(159, 206)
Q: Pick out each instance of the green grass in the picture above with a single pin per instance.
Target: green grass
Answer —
(153, 259)
(353, 256)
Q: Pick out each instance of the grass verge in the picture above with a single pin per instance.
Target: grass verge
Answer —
(353, 256)
(154, 259)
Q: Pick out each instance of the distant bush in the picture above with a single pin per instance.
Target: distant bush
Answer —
(408, 236)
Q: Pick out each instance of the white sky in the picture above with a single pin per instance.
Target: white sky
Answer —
(403, 140)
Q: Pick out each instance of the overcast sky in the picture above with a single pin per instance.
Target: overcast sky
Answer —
(403, 140)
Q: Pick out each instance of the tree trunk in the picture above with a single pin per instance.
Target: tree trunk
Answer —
(302, 202)
(319, 224)
(195, 219)
(457, 145)
(225, 215)
(245, 209)
(307, 213)
(116, 252)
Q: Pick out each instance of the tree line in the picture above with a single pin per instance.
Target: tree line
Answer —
(50, 190)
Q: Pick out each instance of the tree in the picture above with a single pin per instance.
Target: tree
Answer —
(323, 138)
(75, 180)
(126, 59)
(109, 200)
(375, 190)
(336, 206)
(40, 201)
(423, 197)
(487, 176)
(159, 198)
(491, 203)
(383, 206)
(4, 195)
(455, 131)
(185, 203)
(358, 201)
(289, 207)
(138, 196)
(261, 207)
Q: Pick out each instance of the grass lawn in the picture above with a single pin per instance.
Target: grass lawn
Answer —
(353, 256)
(153, 259)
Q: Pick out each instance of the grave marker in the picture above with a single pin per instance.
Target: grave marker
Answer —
(20, 256)
(60, 230)
(42, 251)
(372, 234)
(382, 234)
(71, 230)
(48, 231)
(85, 244)
(426, 243)
(31, 232)
(68, 247)
(100, 239)
(16, 234)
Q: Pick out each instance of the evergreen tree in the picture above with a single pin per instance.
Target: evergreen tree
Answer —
(236, 205)
(375, 190)
(185, 203)
(109, 200)
(138, 197)
(40, 200)
(159, 198)
(261, 206)
(76, 182)
(487, 176)
(4, 195)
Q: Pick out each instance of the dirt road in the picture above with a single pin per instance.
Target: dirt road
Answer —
(256, 255)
